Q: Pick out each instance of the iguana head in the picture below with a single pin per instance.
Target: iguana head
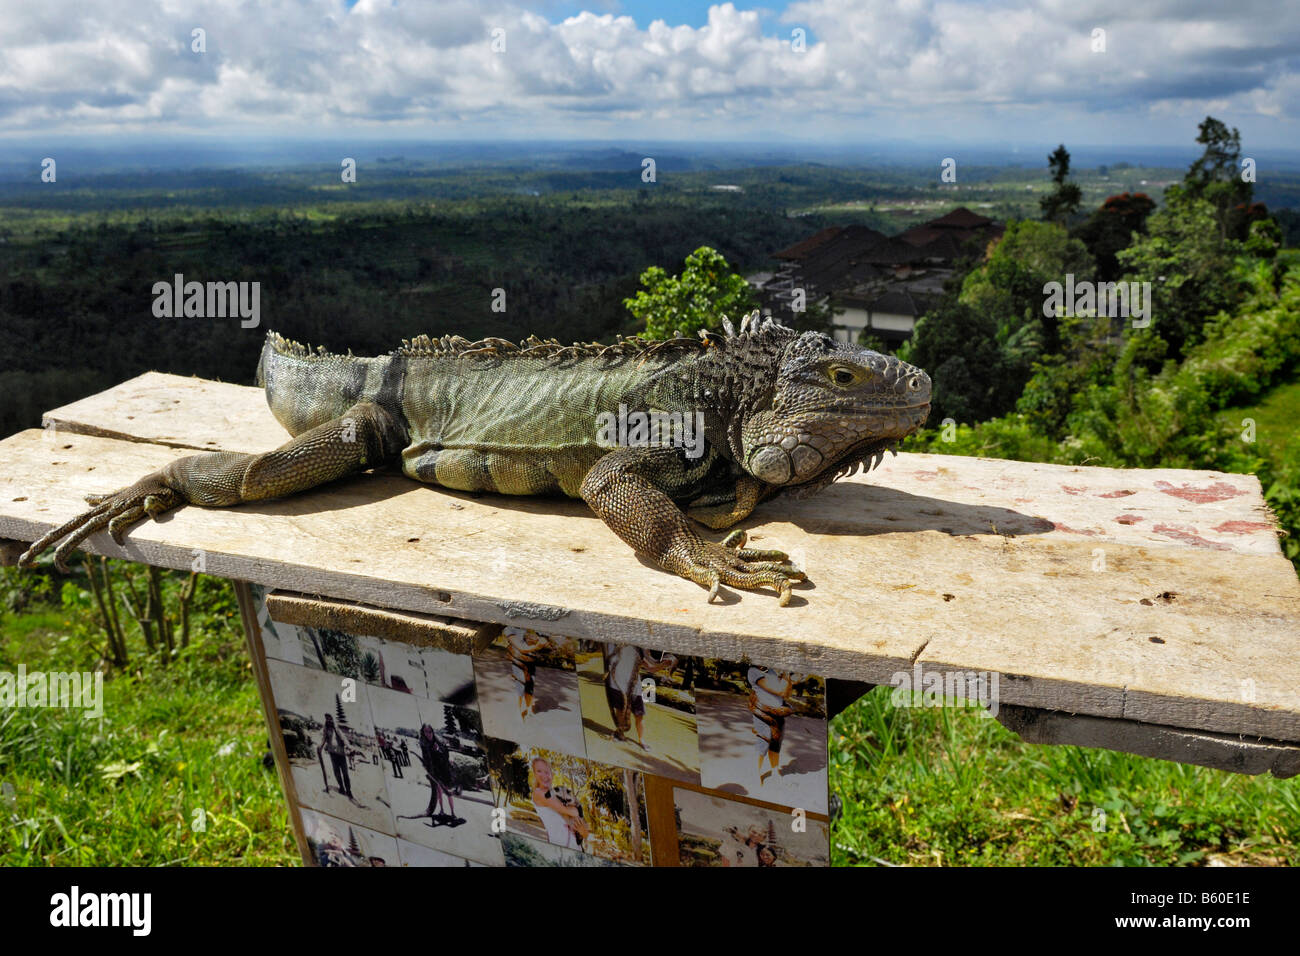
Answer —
(833, 408)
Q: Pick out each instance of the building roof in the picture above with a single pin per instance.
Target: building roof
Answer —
(961, 218)
(802, 249)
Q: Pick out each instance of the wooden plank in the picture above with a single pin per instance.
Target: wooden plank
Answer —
(424, 630)
(945, 588)
(10, 551)
(265, 694)
(173, 410)
(1220, 751)
(1205, 510)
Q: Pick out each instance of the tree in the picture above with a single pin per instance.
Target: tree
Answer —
(1010, 287)
(697, 299)
(370, 669)
(1063, 201)
(1189, 265)
(1221, 157)
(1112, 227)
(958, 346)
(1215, 177)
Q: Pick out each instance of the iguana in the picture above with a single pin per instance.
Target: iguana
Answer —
(782, 411)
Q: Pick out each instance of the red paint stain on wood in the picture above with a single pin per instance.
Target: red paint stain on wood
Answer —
(1072, 490)
(1243, 527)
(1218, 491)
(1129, 519)
(1068, 530)
(925, 475)
(1187, 536)
(1117, 494)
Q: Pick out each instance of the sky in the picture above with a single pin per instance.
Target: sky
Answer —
(808, 71)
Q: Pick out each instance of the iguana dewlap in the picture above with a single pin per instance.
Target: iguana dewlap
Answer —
(780, 411)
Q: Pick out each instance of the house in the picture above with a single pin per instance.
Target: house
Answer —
(876, 285)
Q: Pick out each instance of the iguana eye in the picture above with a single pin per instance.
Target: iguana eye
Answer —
(842, 376)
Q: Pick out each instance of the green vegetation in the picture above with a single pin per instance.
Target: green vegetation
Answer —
(420, 248)
(698, 298)
(187, 735)
(1220, 328)
(946, 786)
(171, 775)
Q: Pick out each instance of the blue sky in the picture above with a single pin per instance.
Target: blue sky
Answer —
(1001, 71)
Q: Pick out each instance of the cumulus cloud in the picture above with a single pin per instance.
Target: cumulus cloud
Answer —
(312, 65)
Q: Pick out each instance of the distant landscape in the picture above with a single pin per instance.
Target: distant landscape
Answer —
(417, 246)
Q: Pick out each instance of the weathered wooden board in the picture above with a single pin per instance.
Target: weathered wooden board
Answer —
(174, 410)
(422, 630)
(1057, 578)
(1220, 751)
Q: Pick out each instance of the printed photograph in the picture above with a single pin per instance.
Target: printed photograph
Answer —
(282, 642)
(525, 851)
(432, 758)
(570, 802)
(330, 743)
(390, 664)
(334, 651)
(715, 831)
(413, 854)
(335, 842)
(638, 709)
(763, 733)
(448, 676)
(528, 691)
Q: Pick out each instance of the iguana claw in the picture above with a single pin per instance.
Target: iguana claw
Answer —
(118, 511)
(732, 564)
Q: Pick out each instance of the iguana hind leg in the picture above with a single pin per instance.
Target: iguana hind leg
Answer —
(364, 436)
(621, 489)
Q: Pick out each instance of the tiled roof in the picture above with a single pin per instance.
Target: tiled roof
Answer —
(800, 250)
(961, 218)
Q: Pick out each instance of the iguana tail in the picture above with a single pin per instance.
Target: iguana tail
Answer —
(307, 387)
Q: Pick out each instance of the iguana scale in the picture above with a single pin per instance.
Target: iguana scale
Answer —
(782, 411)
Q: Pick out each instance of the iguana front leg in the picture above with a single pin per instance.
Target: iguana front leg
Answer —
(722, 511)
(622, 489)
(364, 436)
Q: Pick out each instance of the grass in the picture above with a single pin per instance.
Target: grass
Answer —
(173, 775)
(1275, 416)
(945, 786)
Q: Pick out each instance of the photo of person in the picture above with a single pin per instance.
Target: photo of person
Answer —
(715, 831)
(571, 803)
(335, 842)
(436, 773)
(528, 690)
(560, 813)
(333, 743)
(638, 709)
(330, 741)
(763, 733)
